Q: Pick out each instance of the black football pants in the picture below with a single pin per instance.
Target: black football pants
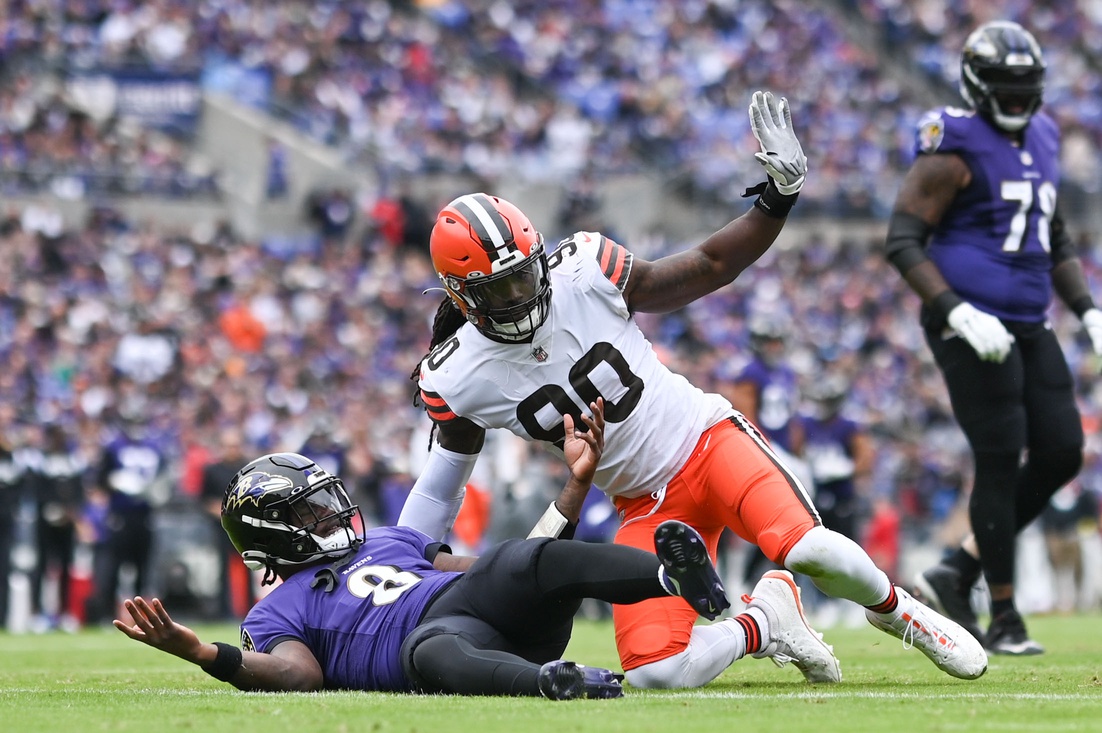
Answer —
(1023, 406)
(490, 631)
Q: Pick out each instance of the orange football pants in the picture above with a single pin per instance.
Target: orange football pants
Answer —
(733, 480)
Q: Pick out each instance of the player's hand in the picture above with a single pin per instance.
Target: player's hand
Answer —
(984, 332)
(153, 626)
(582, 449)
(1092, 321)
(781, 153)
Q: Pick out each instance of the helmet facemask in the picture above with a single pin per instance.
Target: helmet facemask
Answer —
(507, 305)
(493, 264)
(314, 524)
(283, 510)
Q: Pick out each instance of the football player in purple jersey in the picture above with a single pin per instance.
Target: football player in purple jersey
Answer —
(977, 233)
(389, 609)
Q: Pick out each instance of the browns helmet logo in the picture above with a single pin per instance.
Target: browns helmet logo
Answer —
(251, 487)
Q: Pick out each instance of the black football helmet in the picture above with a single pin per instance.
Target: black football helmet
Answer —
(1002, 74)
(283, 509)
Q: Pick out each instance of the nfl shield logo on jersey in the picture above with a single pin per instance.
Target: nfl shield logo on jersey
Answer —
(539, 354)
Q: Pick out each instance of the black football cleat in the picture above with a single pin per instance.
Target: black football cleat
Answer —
(1007, 635)
(562, 680)
(689, 572)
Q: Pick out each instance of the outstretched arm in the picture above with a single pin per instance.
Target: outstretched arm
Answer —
(675, 281)
(290, 667)
(582, 451)
(434, 501)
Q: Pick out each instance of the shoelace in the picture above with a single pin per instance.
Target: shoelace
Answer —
(942, 641)
(780, 659)
(909, 633)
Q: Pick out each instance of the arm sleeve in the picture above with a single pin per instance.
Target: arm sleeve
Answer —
(434, 501)
(1068, 278)
(1061, 246)
(906, 242)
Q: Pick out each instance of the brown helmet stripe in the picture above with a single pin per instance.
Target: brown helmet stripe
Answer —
(486, 221)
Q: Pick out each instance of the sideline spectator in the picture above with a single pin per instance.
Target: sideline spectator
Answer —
(234, 580)
(57, 476)
(131, 464)
(11, 491)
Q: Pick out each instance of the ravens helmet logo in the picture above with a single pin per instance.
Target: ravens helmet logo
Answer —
(251, 487)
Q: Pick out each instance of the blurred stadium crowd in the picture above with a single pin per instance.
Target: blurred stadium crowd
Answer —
(137, 354)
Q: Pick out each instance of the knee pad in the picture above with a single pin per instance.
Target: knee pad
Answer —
(408, 654)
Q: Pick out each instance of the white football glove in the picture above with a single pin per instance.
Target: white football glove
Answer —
(984, 332)
(781, 153)
(1092, 321)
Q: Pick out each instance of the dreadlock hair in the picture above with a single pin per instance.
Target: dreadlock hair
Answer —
(447, 321)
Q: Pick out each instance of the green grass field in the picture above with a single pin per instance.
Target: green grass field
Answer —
(99, 680)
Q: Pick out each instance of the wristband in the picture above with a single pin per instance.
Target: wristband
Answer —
(772, 202)
(226, 664)
(553, 524)
(944, 303)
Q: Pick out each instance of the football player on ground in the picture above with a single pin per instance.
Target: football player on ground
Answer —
(524, 338)
(977, 234)
(390, 609)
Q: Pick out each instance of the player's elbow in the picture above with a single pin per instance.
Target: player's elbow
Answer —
(306, 684)
(295, 679)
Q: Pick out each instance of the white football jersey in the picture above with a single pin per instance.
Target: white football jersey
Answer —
(589, 347)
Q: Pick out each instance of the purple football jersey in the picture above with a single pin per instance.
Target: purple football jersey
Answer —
(778, 395)
(828, 453)
(355, 631)
(992, 245)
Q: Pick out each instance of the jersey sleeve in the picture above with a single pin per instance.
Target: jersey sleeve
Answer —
(273, 620)
(613, 260)
(418, 540)
(436, 406)
(941, 130)
(434, 403)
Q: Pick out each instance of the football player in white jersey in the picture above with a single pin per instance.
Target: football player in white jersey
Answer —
(525, 339)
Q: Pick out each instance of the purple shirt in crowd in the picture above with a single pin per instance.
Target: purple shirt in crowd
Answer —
(778, 395)
(828, 451)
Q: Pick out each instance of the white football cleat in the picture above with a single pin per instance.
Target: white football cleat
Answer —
(945, 642)
(791, 638)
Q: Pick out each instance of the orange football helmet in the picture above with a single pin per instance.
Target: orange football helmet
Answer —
(493, 265)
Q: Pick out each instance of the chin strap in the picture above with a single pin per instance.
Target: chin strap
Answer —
(328, 575)
(269, 575)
